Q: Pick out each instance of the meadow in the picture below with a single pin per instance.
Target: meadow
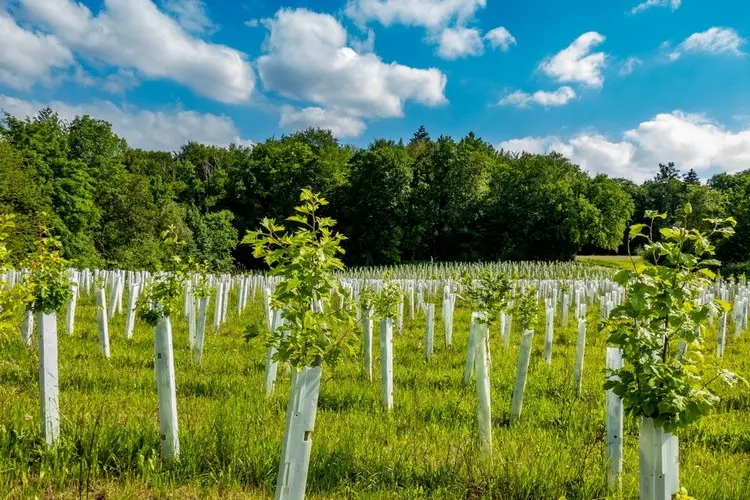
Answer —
(426, 447)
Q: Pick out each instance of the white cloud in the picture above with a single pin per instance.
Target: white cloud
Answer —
(340, 126)
(521, 99)
(460, 42)
(307, 59)
(191, 14)
(430, 14)
(252, 23)
(712, 41)
(120, 81)
(445, 21)
(135, 34)
(163, 130)
(647, 4)
(29, 57)
(689, 140)
(500, 37)
(629, 65)
(576, 63)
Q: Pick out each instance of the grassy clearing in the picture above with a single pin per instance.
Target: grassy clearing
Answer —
(612, 261)
(426, 448)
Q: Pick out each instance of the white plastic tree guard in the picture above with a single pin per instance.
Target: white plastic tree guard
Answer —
(722, 339)
(506, 330)
(27, 328)
(101, 307)
(70, 310)
(484, 408)
(549, 335)
(613, 447)
(367, 323)
(130, 313)
(300, 423)
(272, 366)
(165, 385)
(471, 352)
(429, 344)
(386, 362)
(218, 306)
(659, 470)
(522, 371)
(580, 349)
(49, 398)
(200, 330)
(112, 309)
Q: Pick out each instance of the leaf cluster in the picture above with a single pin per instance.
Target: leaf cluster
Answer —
(306, 258)
(489, 293)
(49, 279)
(12, 299)
(528, 308)
(661, 325)
(160, 298)
(386, 302)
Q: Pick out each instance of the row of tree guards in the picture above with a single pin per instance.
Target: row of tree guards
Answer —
(655, 318)
(658, 448)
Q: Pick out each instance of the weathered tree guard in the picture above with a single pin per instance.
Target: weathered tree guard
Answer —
(580, 349)
(484, 411)
(386, 362)
(200, 330)
(101, 307)
(70, 310)
(165, 384)
(722, 338)
(272, 366)
(27, 327)
(506, 331)
(367, 322)
(522, 370)
(659, 470)
(471, 352)
(49, 399)
(130, 313)
(297, 443)
(548, 336)
(218, 305)
(614, 426)
(429, 344)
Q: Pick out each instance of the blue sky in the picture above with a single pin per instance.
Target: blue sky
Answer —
(617, 85)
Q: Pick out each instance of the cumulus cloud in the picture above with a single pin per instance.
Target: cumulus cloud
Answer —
(191, 15)
(521, 99)
(673, 4)
(166, 129)
(135, 34)
(307, 59)
(446, 22)
(431, 14)
(712, 41)
(460, 42)
(29, 57)
(689, 140)
(340, 126)
(629, 65)
(500, 37)
(576, 63)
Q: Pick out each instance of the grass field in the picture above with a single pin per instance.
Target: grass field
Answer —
(425, 448)
(613, 261)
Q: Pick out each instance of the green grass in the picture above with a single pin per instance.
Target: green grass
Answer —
(425, 448)
(612, 261)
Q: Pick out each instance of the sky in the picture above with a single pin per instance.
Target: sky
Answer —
(618, 86)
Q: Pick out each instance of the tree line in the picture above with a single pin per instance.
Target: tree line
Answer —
(426, 199)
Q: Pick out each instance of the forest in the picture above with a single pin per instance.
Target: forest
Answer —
(425, 199)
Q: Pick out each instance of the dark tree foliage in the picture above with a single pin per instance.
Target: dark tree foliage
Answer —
(441, 199)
